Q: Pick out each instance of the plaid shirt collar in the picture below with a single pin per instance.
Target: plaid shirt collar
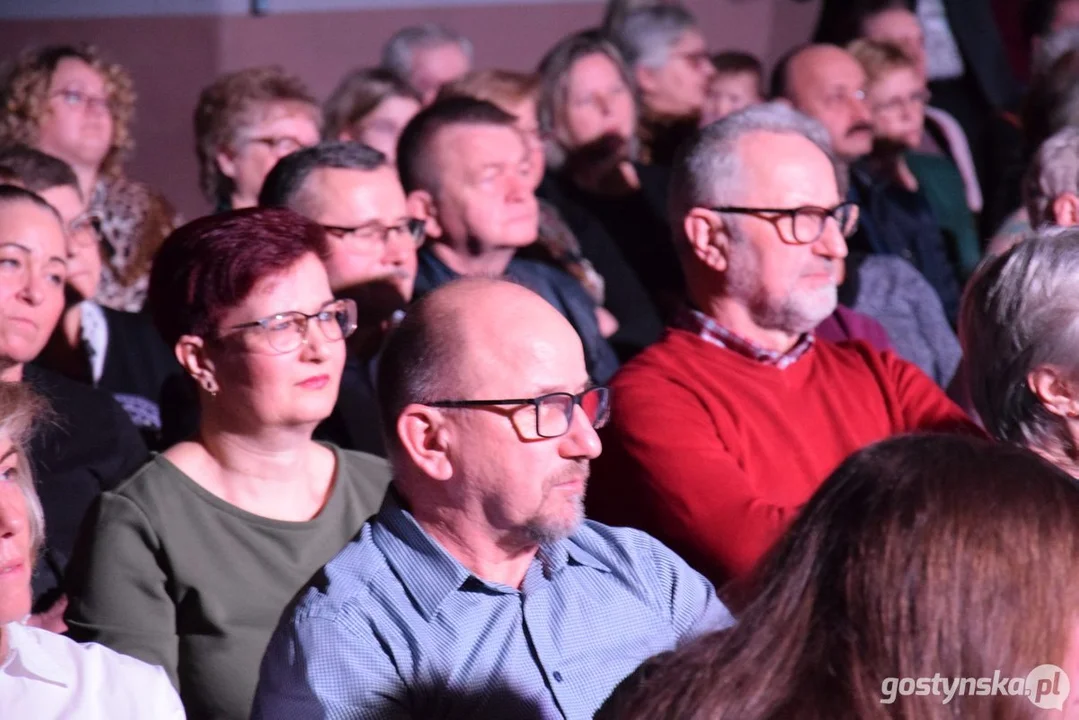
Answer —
(710, 331)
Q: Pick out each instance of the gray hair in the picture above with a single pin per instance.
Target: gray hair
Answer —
(707, 169)
(1053, 171)
(554, 72)
(646, 36)
(20, 410)
(398, 51)
(1020, 313)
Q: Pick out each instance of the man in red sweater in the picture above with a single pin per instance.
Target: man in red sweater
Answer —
(722, 430)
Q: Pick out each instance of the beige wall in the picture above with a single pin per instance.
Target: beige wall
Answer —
(172, 58)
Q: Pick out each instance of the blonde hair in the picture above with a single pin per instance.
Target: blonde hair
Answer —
(24, 98)
(20, 410)
(879, 58)
(500, 87)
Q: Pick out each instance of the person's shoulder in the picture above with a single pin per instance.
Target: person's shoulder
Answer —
(93, 662)
(626, 551)
(357, 463)
(346, 589)
(664, 360)
(74, 401)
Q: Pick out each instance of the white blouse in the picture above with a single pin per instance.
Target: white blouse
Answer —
(46, 676)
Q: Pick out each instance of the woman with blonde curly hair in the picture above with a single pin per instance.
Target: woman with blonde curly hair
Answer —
(69, 102)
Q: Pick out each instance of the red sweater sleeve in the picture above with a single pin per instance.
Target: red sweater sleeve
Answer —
(664, 471)
(925, 407)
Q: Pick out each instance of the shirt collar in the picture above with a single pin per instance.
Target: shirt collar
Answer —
(429, 573)
(26, 655)
(711, 331)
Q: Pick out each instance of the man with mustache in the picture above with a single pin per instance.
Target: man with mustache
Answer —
(724, 428)
(353, 192)
(479, 590)
(828, 84)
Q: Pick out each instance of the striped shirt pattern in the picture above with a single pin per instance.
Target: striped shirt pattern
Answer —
(395, 627)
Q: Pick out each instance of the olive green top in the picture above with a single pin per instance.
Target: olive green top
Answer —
(171, 574)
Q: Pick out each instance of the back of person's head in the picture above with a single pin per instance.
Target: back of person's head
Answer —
(921, 556)
(736, 62)
(504, 88)
(22, 411)
(211, 265)
(646, 36)
(34, 170)
(707, 171)
(284, 186)
(230, 105)
(1053, 173)
(1052, 102)
(397, 53)
(357, 95)
(414, 149)
(1017, 319)
(879, 58)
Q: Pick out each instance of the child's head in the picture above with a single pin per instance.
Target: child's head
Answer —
(736, 85)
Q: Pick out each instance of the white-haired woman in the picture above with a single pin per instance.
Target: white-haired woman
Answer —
(44, 675)
(1018, 328)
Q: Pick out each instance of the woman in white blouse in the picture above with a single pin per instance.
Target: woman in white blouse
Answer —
(44, 675)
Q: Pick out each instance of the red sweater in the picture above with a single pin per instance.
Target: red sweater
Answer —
(714, 453)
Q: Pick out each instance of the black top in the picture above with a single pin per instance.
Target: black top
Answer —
(637, 222)
(91, 446)
(136, 367)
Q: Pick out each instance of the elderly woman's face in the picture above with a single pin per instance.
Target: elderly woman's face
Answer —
(597, 102)
(15, 549)
(897, 101)
(77, 125)
(262, 385)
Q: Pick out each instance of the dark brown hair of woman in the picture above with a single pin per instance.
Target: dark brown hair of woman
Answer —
(921, 555)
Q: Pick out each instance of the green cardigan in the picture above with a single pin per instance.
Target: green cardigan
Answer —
(942, 185)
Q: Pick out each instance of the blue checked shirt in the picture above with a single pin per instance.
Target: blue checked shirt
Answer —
(395, 627)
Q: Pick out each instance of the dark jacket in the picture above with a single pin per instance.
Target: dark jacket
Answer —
(90, 446)
(554, 286)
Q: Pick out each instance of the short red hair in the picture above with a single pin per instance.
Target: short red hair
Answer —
(210, 265)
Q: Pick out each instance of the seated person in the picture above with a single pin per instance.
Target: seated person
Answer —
(116, 351)
(245, 122)
(467, 171)
(421, 614)
(588, 116)
(370, 107)
(92, 445)
(878, 581)
(427, 57)
(190, 562)
(1022, 366)
(43, 675)
(897, 97)
(725, 428)
(737, 84)
(353, 192)
(828, 84)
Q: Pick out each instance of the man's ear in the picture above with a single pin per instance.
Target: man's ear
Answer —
(426, 439)
(191, 354)
(1066, 209)
(421, 204)
(1055, 390)
(708, 238)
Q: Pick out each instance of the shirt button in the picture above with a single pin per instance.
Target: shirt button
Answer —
(557, 676)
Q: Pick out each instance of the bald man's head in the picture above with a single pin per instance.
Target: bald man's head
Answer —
(827, 83)
(474, 338)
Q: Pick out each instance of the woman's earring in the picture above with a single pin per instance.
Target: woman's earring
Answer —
(209, 385)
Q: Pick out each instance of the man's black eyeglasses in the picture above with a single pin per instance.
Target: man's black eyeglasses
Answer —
(372, 232)
(554, 411)
(802, 225)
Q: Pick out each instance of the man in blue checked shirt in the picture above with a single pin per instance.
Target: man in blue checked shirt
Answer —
(479, 590)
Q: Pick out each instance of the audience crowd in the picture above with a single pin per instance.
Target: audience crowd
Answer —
(639, 384)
